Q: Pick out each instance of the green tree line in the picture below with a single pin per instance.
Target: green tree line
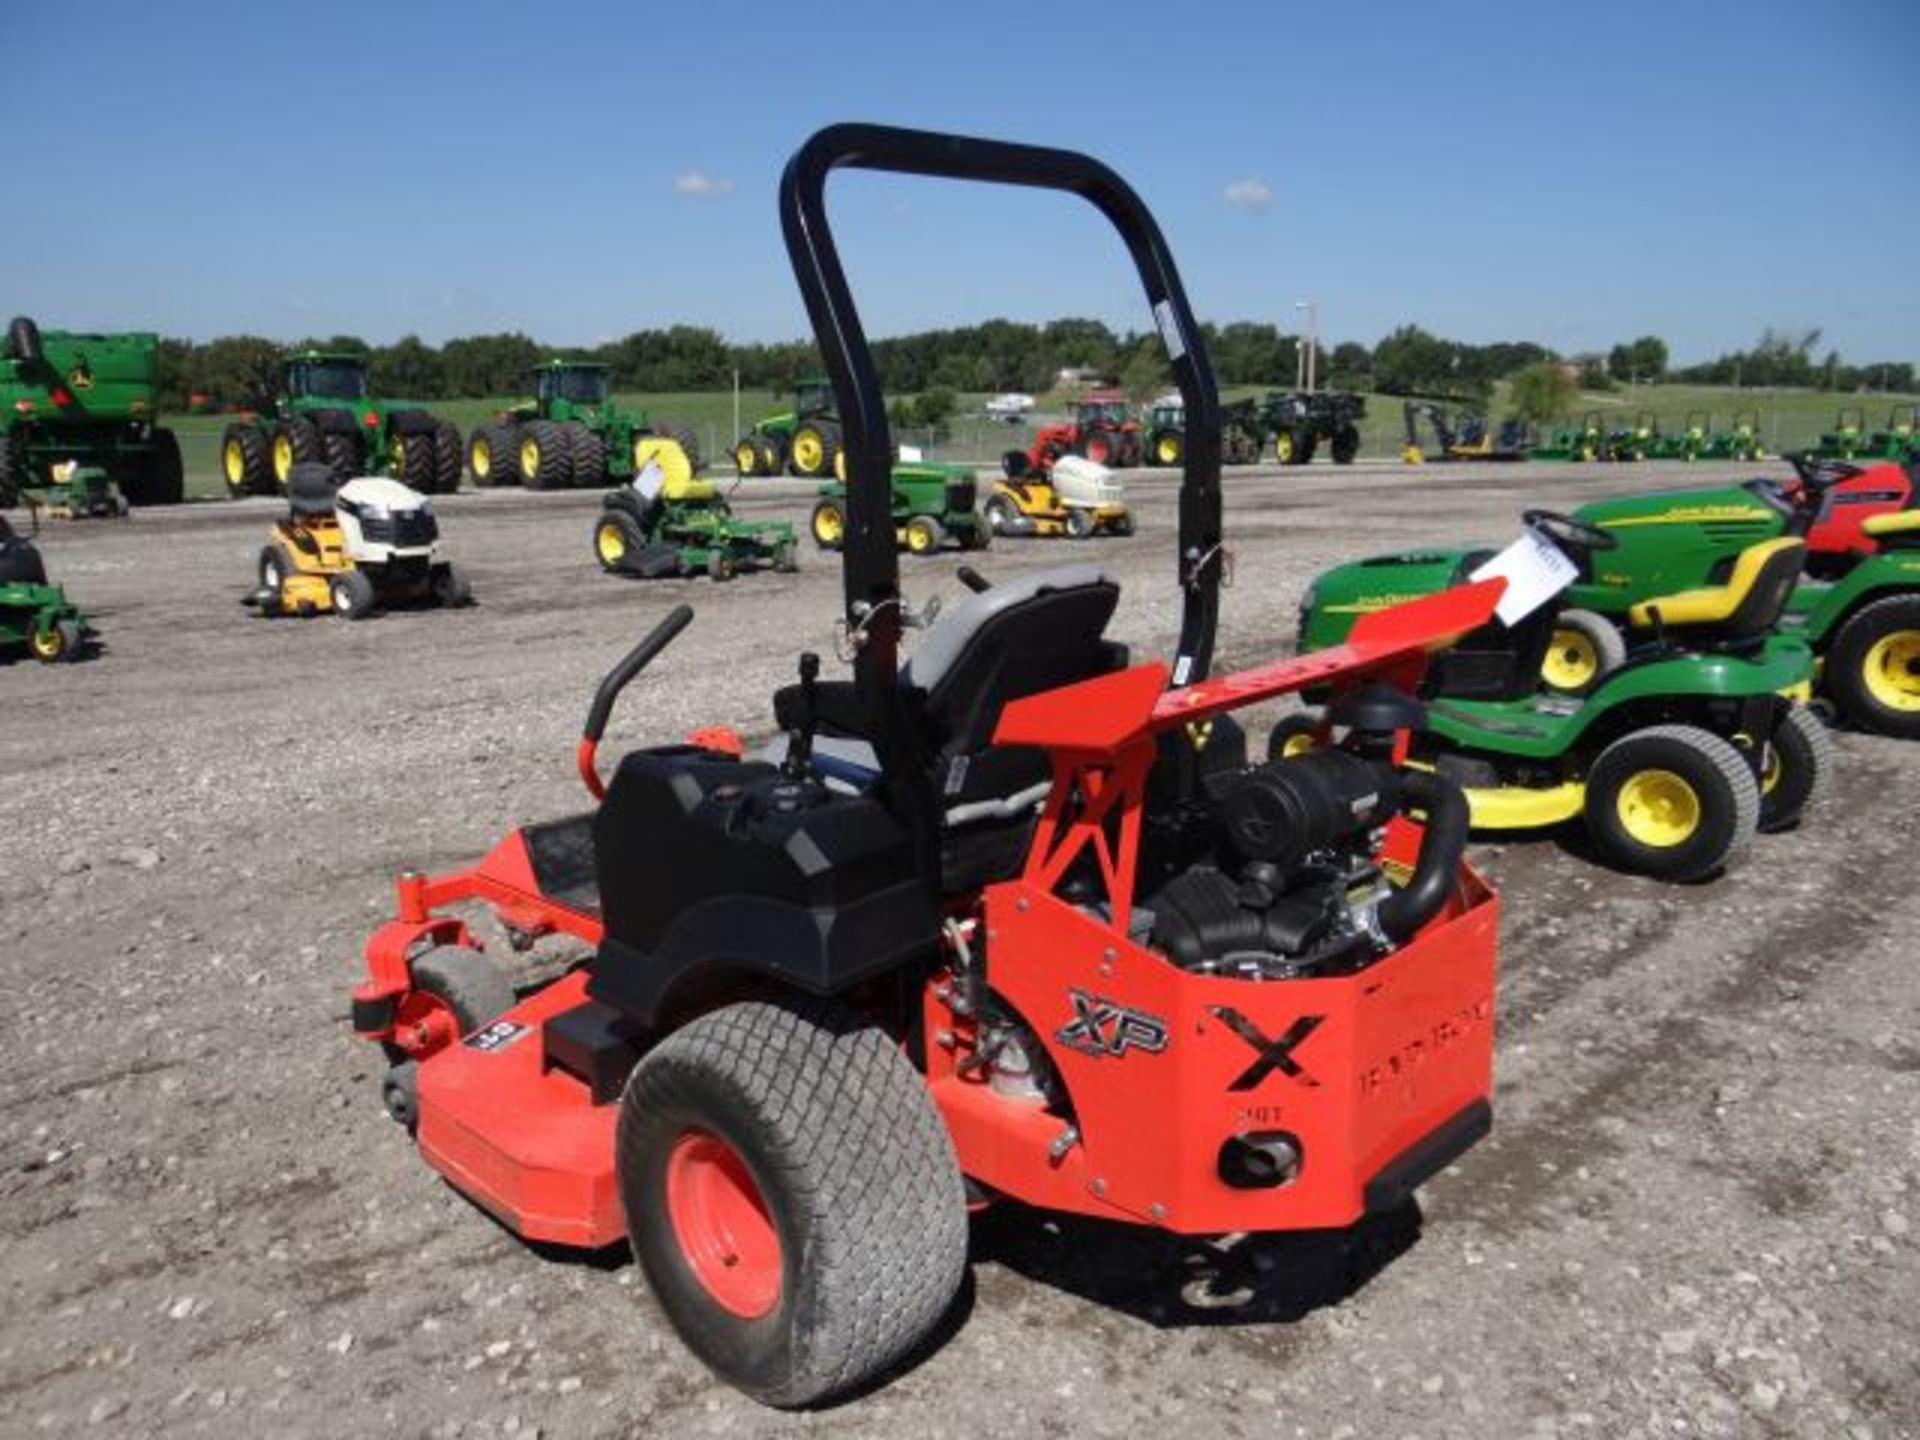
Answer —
(997, 355)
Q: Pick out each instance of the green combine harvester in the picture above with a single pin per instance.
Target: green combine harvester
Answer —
(85, 401)
(804, 440)
(573, 433)
(325, 414)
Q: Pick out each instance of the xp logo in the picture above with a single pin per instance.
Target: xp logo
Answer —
(1100, 1027)
(1274, 1054)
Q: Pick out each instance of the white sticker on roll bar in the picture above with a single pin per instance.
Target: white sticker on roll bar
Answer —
(1535, 570)
(1170, 335)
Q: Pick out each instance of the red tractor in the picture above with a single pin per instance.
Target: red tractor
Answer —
(1104, 429)
(1017, 920)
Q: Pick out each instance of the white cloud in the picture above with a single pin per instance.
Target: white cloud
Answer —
(701, 185)
(1249, 194)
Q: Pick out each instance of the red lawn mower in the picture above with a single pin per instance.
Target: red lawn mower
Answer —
(1014, 920)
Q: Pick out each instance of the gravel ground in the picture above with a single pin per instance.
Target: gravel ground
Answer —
(1695, 1216)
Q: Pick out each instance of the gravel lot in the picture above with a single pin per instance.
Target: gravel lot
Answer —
(1696, 1216)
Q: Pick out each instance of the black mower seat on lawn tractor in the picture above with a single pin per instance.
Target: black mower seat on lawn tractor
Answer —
(20, 562)
(310, 492)
(1744, 608)
(1033, 633)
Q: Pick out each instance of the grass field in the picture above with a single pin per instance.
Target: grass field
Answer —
(1789, 419)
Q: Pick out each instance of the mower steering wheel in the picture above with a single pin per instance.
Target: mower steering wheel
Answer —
(1567, 531)
(1817, 473)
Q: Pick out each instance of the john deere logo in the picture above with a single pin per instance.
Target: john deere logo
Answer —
(80, 377)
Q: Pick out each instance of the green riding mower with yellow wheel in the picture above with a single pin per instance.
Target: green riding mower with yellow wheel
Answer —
(933, 507)
(664, 524)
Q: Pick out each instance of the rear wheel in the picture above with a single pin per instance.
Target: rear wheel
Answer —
(411, 461)
(1346, 445)
(340, 449)
(1873, 668)
(589, 455)
(450, 588)
(1167, 448)
(542, 456)
(1001, 515)
(162, 479)
(1098, 448)
(829, 525)
(615, 538)
(1674, 802)
(1585, 649)
(353, 596)
(276, 568)
(746, 457)
(295, 442)
(1798, 771)
(1284, 448)
(243, 461)
(1293, 735)
(812, 450)
(491, 457)
(792, 1197)
(773, 454)
(447, 462)
(1079, 523)
(59, 644)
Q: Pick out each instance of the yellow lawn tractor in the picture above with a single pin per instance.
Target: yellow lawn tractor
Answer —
(368, 544)
(1076, 498)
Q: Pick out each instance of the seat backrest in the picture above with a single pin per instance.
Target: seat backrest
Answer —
(1023, 636)
(1748, 604)
(310, 491)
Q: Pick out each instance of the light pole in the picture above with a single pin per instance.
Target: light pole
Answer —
(1311, 354)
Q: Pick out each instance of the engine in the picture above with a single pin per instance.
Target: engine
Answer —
(1293, 883)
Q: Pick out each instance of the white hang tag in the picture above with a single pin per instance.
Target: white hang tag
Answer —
(1535, 570)
(649, 482)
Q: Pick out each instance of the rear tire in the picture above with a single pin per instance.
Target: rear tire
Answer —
(1801, 770)
(412, 459)
(491, 455)
(542, 456)
(243, 461)
(1673, 802)
(1873, 667)
(162, 479)
(925, 535)
(450, 588)
(588, 453)
(804, 1124)
(296, 441)
(340, 449)
(1000, 515)
(615, 537)
(1079, 524)
(812, 450)
(448, 463)
(1346, 445)
(746, 458)
(829, 525)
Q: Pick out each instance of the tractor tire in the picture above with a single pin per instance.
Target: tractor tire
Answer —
(1873, 667)
(588, 455)
(1799, 770)
(829, 525)
(925, 535)
(1129, 451)
(448, 463)
(12, 471)
(492, 455)
(746, 457)
(811, 450)
(792, 1197)
(1079, 524)
(1169, 447)
(1586, 648)
(412, 462)
(1097, 447)
(615, 537)
(1673, 802)
(61, 643)
(450, 588)
(1285, 447)
(162, 479)
(353, 595)
(1304, 454)
(275, 567)
(296, 441)
(543, 456)
(340, 451)
(243, 461)
(1346, 445)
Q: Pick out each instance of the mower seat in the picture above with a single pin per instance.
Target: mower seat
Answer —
(20, 562)
(310, 492)
(685, 489)
(1027, 635)
(1747, 605)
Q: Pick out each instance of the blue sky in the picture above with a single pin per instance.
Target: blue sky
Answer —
(1569, 174)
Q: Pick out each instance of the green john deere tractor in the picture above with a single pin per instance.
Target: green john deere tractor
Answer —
(1298, 422)
(1165, 428)
(1581, 440)
(1689, 442)
(86, 401)
(1741, 441)
(1847, 440)
(1638, 440)
(804, 440)
(932, 504)
(323, 414)
(573, 433)
(1900, 440)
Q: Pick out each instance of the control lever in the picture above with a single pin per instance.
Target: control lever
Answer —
(617, 679)
(800, 739)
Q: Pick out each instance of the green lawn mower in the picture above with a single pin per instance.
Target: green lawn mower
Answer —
(1847, 440)
(35, 616)
(658, 526)
(1857, 604)
(932, 505)
(1582, 440)
(1674, 747)
(1739, 441)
